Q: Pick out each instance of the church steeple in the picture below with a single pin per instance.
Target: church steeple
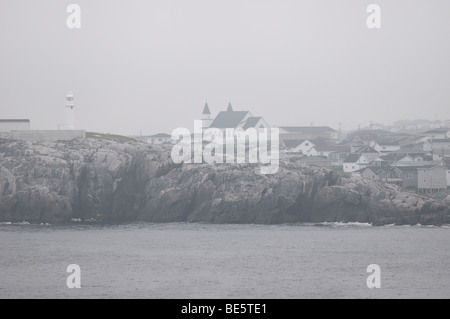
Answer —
(206, 116)
(229, 108)
(206, 110)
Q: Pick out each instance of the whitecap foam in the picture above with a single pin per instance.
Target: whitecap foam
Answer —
(75, 220)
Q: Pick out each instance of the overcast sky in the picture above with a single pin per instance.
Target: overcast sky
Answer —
(149, 66)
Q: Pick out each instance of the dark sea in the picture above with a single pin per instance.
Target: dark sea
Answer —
(182, 260)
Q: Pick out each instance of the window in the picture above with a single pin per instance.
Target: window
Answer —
(306, 144)
(353, 167)
(409, 176)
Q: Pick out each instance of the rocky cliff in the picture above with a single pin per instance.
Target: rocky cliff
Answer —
(110, 181)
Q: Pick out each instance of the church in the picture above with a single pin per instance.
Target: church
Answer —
(232, 119)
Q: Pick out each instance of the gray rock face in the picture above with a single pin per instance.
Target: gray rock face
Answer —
(113, 182)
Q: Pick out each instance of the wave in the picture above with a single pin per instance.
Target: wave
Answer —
(342, 224)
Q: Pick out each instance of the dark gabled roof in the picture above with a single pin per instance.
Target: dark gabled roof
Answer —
(407, 168)
(320, 141)
(376, 169)
(14, 121)
(367, 149)
(292, 143)
(251, 122)
(228, 119)
(393, 156)
(308, 129)
(161, 135)
(206, 110)
(415, 168)
(352, 158)
(400, 155)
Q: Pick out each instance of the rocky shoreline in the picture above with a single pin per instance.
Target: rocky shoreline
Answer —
(113, 181)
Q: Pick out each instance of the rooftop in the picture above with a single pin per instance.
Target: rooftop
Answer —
(251, 122)
(352, 158)
(229, 119)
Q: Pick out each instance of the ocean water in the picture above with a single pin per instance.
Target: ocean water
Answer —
(183, 260)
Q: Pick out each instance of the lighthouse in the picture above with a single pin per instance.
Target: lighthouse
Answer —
(70, 105)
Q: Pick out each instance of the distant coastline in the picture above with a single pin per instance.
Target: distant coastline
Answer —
(105, 179)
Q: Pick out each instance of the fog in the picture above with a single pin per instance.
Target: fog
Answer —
(149, 66)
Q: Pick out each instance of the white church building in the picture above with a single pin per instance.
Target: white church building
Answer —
(232, 119)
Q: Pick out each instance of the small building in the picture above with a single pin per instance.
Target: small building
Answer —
(298, 146)
(159, 138)
(438, 133)
(355, 162)
(384, 174)
(370, 153)
(386, 147)
(432, 178)
(408, 176)
(8, 125)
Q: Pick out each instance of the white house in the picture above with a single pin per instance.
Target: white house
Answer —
(159, 138)
(385, 147)
(298, 146)
(355, 162)
(438, 133)
(369, 152)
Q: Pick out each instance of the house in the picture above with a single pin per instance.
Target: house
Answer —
(366, 136)
(308, 132)
(407, 159)
(408, 176)
(298, 146)
(369, 152)
(355, 162)
(326, 150)
(8, 125)
(432, 178)
(385, 147)
(159, 138)
(384, 174)
(440, 148)
(438, 133)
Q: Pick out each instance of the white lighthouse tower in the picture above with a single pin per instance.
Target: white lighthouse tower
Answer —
(70, 105)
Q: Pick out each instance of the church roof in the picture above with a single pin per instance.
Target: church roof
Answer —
(206, 109)
(251, 122)
(228, 119)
